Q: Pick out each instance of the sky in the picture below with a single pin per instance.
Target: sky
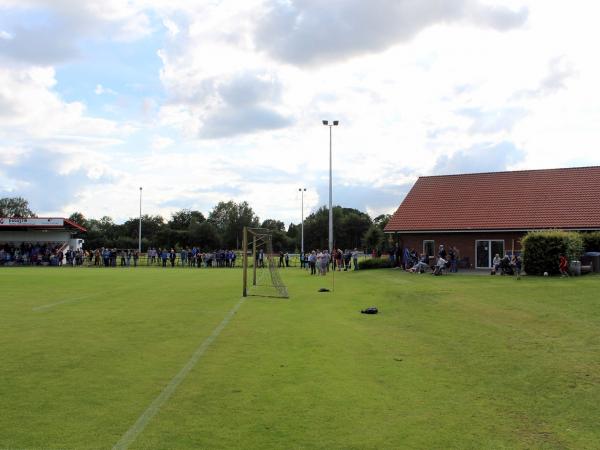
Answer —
(215, 100)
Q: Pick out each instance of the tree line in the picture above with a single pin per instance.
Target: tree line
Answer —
(223, 228)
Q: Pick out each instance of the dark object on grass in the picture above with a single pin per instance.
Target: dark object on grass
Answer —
(323, 290)
(371, 310)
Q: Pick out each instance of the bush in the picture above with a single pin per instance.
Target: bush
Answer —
(542, 249)
(375, 263)
(591, 241)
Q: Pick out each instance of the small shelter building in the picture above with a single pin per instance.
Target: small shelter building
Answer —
(57, 231)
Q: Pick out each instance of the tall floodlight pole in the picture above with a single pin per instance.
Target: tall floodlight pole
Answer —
(302, 191)
(140, 225)
(335, 123)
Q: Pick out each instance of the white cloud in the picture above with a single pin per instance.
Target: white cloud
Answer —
(55, 39)
(100, 90)
(32, 112)
(419, 88)
(171, 26)
(315, 32)
(161, 142)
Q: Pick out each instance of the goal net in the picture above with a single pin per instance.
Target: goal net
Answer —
(261, 277)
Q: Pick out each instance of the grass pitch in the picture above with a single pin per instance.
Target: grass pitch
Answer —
(450, 362)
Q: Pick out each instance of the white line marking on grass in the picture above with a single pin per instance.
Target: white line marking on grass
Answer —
(131, 434)
(39, 308)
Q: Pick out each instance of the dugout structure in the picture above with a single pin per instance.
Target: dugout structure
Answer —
(265, 279)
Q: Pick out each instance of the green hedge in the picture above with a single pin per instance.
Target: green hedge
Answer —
(375, 263)
(542, 249)
(591, 241)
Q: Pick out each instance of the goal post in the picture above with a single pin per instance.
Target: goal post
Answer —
(266, 281)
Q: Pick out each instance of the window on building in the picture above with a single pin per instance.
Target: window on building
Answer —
(429, 248)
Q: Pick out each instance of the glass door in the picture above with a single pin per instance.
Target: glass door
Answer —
(429, 248)
(497, 249)
(485, 252)
(482, 254)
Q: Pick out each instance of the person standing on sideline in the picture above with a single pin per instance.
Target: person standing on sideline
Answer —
(442, 252)
(312, 261)
(452, 256)
(319, 262)
(456, 258)
(327, 258)
(563, 266)
(355, 259)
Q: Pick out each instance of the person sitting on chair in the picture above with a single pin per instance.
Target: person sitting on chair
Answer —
(439, 266)
(420, 266)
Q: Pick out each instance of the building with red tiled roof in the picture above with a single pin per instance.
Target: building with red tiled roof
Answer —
(487, 213)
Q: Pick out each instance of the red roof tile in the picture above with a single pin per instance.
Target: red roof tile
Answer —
(521, 200)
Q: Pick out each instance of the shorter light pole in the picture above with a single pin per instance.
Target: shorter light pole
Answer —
(302, 191)
(140, 227)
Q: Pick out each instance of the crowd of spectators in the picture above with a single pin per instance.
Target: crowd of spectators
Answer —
(317, 261)
(321, 261)
(445, 261)
(31, 254)
(164, 257)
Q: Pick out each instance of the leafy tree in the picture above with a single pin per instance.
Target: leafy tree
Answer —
(204, 235)
(181, 220)
(349, 226)
(107, 227)
(374, 237)
(382, 220)
(293, 230)
(352, 227)
(151, 225)
(294, 233)
(316, 227)
(79, 219)
(272, 224)
(230, 218)
(15, 207)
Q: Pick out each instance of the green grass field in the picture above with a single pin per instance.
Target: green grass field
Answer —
(450, 362)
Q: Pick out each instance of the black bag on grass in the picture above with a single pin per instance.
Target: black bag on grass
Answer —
(371, 310)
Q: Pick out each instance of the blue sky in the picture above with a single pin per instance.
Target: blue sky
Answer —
(203, 101)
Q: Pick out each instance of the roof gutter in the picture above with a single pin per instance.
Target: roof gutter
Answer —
(513, 230)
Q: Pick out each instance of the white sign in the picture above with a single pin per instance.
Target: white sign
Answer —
(31, 222)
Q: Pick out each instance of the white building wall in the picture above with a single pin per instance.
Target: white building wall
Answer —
(34, 236)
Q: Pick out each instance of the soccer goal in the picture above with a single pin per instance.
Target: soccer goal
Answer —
(258, 258)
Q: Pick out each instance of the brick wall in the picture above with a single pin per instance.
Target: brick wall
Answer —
(465, 242)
